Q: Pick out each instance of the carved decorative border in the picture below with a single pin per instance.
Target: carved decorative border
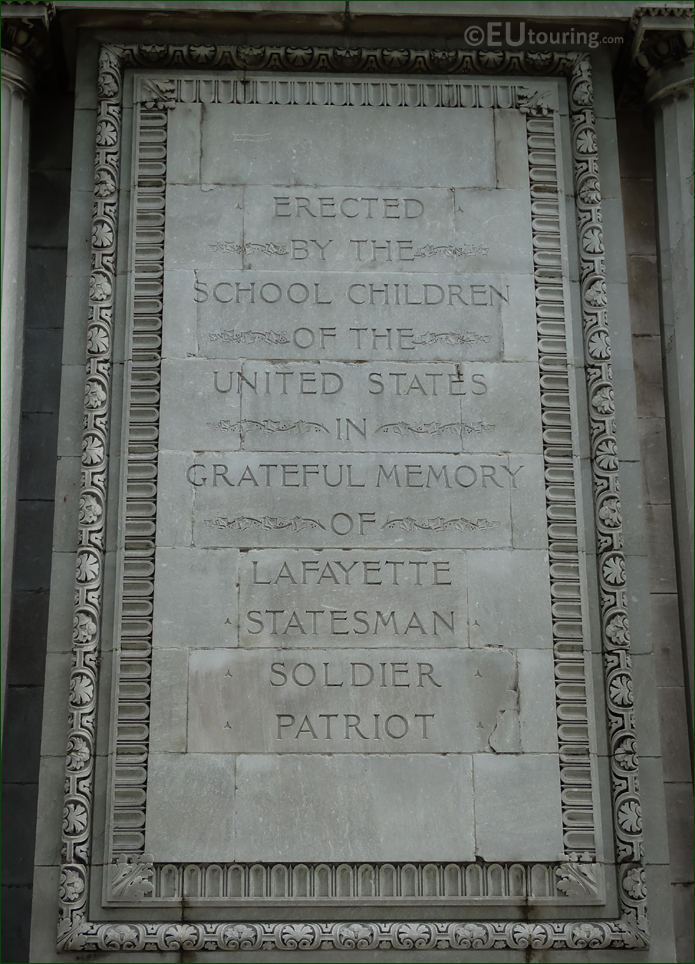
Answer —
(75, 931)
(135, 877)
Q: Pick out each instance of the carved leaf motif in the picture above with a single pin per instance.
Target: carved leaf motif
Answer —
(634, 883)
(577, 880)
(251, 337)
(180, 936)
(299, 936)
(438, 524)
(74, 818)
(132, 877)
(586, 935)
(71, 885)
(239, 936)
(84, 628)
(243, 522)
(630, 816)
(121, 937)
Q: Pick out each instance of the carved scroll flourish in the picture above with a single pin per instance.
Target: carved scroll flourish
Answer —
(75, 931)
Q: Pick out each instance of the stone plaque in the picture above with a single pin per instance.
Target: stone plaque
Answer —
(354, 594)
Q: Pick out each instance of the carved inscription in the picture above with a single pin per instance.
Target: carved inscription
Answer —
(352, 825)
(351, 440)
(299, 598)
(353, 701)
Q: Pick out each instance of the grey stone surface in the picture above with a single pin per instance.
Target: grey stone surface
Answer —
(280, 313)
(312, 808)
(339, 145)
(509, 598)
(507, 790)
(208, 801)
(168, 708)
(343, 808)
(188, 620)
(426, 591)
(475, 407)
(674, 733)
(452, 501)
(643, 288)
(354, 701)
(191, 806)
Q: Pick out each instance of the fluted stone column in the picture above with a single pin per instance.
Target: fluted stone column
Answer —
(16, 85)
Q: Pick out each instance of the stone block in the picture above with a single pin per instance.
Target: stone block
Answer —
(168, 707)
(19, 812)
(51, 790)
(219, 217)
(47, 226)
(648, 377)
(392, 598)
(469, 407)
(188, 620)
(29, 616)
(665, 636)
(32, 570)
(529, 527)
(331, 315)
(46, 268)
(537, 713)
(41, 380)
(507, 790)
(183, 133)
(656, 849)
(37, 474)
(55, 705)
(614, 240)
(198, 410)
(646, 706)
(639, 211)
(673, 728)
(198, 512)
(638, 603)
(643, 288)
(70, 422)
(76, 315)
(679, 810)
(662, 565)
(511, 154)
(393, 808)
(349, 701)
(509, 598)
(21, 757)
(67, 495)
(682, 896)
(608, 146)
(341, 146)
(59, 630)
(17, 913)
(635, 144)
(633, 507)
(655, 462)
(191, 806)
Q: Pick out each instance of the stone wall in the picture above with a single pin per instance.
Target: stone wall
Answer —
(47, 526)
(636, 153)
(49, 192)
